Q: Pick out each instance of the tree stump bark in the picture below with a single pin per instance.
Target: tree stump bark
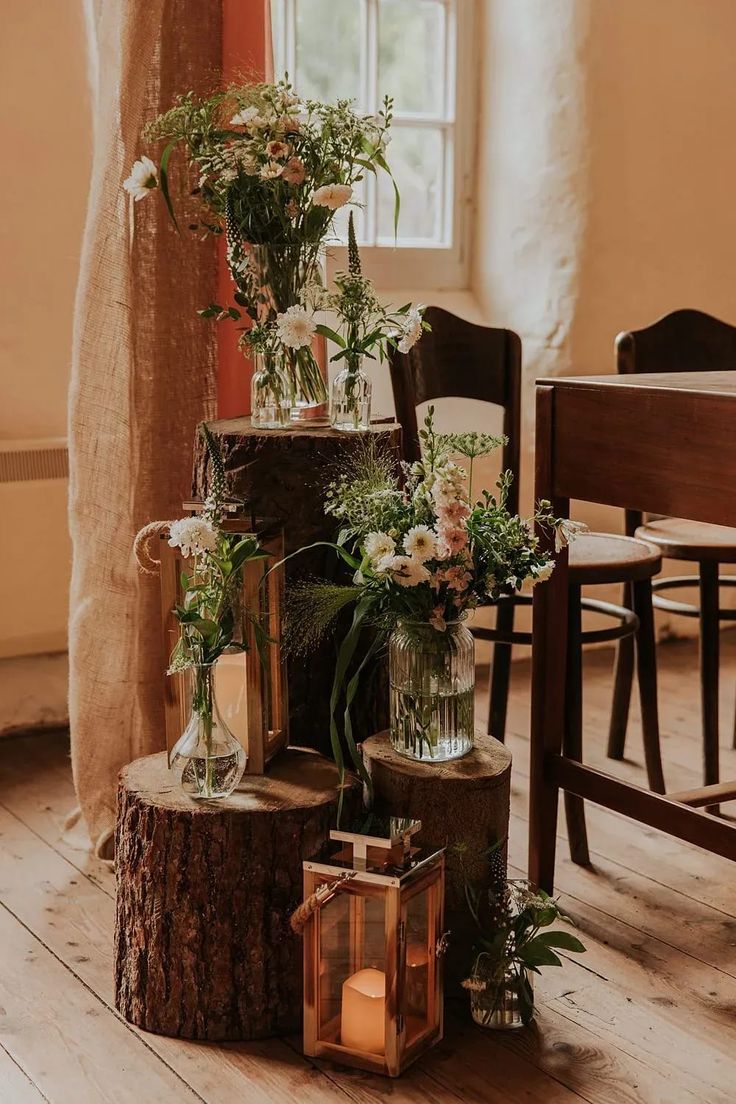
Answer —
(463, 806)
(203, 948)
(283, 474)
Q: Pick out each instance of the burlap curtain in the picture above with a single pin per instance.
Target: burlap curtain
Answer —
(143, 376)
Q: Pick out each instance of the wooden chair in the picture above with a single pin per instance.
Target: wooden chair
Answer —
(461, 360)
(684, 341)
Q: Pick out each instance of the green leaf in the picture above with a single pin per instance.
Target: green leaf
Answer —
(331, 334)
(536, 954)
(164, 175)
(345, 654)
(561, 939)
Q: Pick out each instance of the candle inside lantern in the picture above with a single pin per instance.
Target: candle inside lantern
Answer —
(230, 694)
(363, 1024)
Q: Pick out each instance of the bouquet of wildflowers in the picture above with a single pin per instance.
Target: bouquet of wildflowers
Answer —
(420, 547)
(269, 171)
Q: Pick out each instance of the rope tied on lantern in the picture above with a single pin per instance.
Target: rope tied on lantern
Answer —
(301, 915)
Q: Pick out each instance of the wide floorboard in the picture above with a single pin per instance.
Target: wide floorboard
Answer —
(646, 1016)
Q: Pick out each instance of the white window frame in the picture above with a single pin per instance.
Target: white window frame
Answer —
(418, 265)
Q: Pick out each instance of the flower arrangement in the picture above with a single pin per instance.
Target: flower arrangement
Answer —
(422, 551)
(511, 945)
(364, 328)
(208, 758)
(270, 173)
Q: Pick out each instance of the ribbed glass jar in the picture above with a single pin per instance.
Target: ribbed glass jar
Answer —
(432, 677)
(350, 401)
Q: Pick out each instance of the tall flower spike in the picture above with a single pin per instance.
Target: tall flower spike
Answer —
(216, 496)
(353, 254)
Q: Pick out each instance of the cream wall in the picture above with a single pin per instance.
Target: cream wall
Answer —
(46, 141)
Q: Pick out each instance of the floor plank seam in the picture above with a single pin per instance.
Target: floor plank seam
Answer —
(25, 1074)
(135, 1032)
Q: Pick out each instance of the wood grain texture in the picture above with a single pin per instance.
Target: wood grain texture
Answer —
(205, 891)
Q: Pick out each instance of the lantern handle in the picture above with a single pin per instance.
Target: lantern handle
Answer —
(316, 900)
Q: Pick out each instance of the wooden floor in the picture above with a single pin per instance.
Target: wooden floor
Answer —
(647, 1015)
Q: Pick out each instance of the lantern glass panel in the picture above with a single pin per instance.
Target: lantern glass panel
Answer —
(419, 965)
(352, 983)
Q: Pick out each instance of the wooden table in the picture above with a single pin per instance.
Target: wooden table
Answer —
(664, 444)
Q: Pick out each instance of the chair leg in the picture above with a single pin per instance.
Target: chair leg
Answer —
(709, 646)
(646, 673)
(500, 674)
(622, 684)
(572, 744)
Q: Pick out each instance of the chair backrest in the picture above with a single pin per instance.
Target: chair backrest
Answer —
(458, 359)
(683, 341)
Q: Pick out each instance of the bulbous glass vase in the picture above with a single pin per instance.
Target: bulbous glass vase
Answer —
(207, 760)
(432, 677)
(502, 1003)
(270, 395)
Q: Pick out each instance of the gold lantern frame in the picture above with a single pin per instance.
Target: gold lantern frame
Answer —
(266, 691)
(373, 868)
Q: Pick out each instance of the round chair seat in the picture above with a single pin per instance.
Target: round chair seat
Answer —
(679, 539)
(608, 558)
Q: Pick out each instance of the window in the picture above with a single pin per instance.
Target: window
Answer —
(413, 50)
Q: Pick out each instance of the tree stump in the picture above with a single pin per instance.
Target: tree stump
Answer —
(462, 804)
(203, 947)
(283, 474)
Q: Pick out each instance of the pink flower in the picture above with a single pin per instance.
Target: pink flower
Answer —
(277, 150)
(292, 209)
(455, 539)
(294, 171)
(452, 512)
(437, 619)
(289, 124)
(457, 578)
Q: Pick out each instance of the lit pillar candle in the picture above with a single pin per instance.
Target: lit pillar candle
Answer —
(363, 1025)
(230, 694)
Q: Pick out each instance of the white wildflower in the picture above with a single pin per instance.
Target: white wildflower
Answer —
(411, 330)
(143, 179)
(407, 571)
(332, 196)
(567, 531)
(271, 170)
(420, 543)
(193, 535)
(249, 117)
(379, 546)
(296, 327)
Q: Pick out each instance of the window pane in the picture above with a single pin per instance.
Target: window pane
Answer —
(416, 157)
(411, 54)
(328, 49)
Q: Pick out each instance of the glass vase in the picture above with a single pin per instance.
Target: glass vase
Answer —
(270, 394)
(207, 760)
(350, 400)
(432, 677)
(274, 277)
(502, 1003)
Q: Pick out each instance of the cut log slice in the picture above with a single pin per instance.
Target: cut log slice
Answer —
(203, 948)
(463, 806)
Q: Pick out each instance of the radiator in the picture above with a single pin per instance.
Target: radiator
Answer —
(36, 547)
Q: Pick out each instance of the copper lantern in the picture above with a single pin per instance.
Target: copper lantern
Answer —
(250, 686)
(372, 949)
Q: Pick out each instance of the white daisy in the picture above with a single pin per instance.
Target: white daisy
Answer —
(332, 196)
(407, 571)
(420, 543)
(296, 327)
(271, 170)
(193, 535)
(378, 546)
(143, 178)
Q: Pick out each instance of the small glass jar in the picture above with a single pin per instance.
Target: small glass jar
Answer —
(505, 1003)
(432, 678)
(270, 394)
(207, 760)
(350, 400)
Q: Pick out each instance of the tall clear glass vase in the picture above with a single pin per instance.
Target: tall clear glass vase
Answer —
(350, 400)
(432, 677)
(276, 276)
(207, 760)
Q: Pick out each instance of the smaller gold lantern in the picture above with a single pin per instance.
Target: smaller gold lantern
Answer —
(250, 686)
(372, 947)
